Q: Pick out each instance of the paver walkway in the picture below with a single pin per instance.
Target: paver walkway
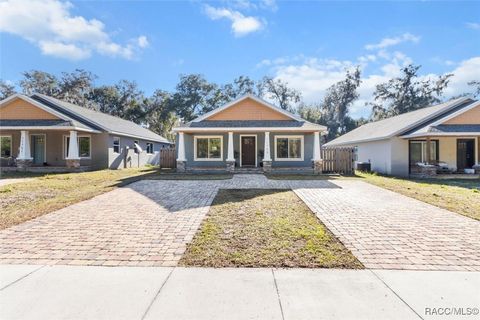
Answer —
(149, 223)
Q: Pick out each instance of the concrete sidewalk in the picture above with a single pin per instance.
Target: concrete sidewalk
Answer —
(71, 292)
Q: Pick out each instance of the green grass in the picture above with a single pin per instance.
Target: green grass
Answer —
(458, 195)
(264, 228)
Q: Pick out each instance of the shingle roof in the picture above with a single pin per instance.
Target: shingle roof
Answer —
(35, 123)
(456, 128)
(99, 120)
(396, 125)
(254, 124)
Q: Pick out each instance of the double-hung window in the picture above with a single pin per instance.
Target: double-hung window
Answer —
(6, 146)
(116, 144)
(149, 147)
(208, 148)
(418, 151)
(288, 148)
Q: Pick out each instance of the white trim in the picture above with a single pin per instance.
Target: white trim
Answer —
(48, 128)
(248, 129)
(302, 148)
(64, 144)
(30, 135)
(246, 96)
(440, 134)
(37, 104)
(207, 159)
(256, 150)
(11, 144)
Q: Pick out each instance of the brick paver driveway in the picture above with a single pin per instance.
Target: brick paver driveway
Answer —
(150, 223)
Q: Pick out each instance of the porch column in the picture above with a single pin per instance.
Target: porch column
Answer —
(267, 159)
(24, 158)
(230, 156)
(317, 161)
(428, 146)
(73, 159)
(181, 160)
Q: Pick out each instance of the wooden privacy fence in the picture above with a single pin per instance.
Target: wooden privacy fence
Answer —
(168, 158)
(338, 160)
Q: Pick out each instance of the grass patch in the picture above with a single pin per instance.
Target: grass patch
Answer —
(264, 228)
(458, 195)
(49, 192)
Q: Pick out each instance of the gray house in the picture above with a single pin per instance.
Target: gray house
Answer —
(45, 133)
(249, 133)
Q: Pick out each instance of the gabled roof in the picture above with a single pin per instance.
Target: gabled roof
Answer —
(401, 124)
(244, 97)
(99, 120)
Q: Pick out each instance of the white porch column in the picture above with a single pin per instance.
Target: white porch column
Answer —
(73, 147)
(230, 156)
(181, 147)
(266, 151)
(317, 155)
(24, 149)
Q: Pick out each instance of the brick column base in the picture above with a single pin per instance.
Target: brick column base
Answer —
(317, 166)
(23, 163)
(181, 166)
(73, 163)
(230, 166)
(267, 166)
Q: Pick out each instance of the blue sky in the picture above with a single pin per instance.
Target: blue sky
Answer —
(308, 44)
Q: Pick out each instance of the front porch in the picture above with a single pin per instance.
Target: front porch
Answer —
(44, 150)
(444, 157)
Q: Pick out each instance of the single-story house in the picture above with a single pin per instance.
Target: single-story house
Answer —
(41, 131)
(249, 133)
(440, 138)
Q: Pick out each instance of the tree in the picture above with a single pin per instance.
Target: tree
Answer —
(476, 88)
(6, 89)
(36, 81)
(406, 93)
(280, 92)
(160, 117)
(74, 87)
(241, 86)
(338, 98)
(195, 95)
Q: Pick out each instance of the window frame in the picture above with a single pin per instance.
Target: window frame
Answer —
(119, 145)
(195, 138)
(65, 149)
(423, 144)
(302, 147)
(146, 149)
(11, 145)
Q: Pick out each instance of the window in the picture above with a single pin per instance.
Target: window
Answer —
(208, 148)
(355, 153)
(149, 147)
(289, 148)
(418, 151)
(135, 144)
(116, 145)
(6, 146)
(84, 146)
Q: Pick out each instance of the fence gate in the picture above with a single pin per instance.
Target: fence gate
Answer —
(168, 158)
(338, 160)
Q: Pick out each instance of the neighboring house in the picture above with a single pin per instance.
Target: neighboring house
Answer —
(41, 131)
(440, 138)
(248, 133)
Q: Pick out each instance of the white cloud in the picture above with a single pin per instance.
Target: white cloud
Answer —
(50, 25)
(241, 25)
(473, 25)
(388, 42)
(312, 76)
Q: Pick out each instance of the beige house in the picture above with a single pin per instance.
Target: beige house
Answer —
(249, 134)
(40, 133)
(440, 139)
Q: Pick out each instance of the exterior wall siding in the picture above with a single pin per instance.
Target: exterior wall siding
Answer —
(249, 109)
(22, 110)
(469, 117)
(378, 153)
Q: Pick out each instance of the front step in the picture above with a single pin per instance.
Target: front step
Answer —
(248, 170)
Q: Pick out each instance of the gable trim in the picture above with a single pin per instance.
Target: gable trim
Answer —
(261, 101)
(37, 104)
(456, 113)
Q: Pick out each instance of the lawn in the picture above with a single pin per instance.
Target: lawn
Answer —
(264, 228)
(458, 195)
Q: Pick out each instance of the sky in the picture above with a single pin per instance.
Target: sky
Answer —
(309, 44)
